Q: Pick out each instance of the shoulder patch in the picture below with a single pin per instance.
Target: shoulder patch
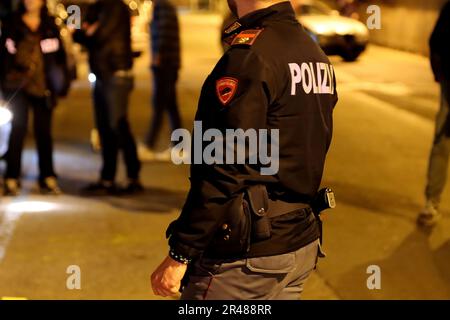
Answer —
(247, 37)
(226, 89)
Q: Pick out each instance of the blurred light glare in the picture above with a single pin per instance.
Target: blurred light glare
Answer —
(323, 29)
(60, 7)
(64, 33)
(133, 5)
(30, 206)
(341, 29)
(64, 15)
(92, 78)
(5, 115)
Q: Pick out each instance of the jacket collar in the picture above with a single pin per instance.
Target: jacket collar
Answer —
(255, 19)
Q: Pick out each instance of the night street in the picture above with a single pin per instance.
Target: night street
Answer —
(384, 124)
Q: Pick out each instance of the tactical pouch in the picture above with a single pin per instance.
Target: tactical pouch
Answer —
(247, 221)
(233, 236)
(258, 201)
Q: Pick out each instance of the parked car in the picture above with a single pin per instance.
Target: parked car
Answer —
(336, 35)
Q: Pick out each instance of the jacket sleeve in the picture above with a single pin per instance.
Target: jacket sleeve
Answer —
(108, 21)
(62, 61)
(165, 27)
(2, 53)
(213, 185)
(5, 60)
(58, 71)
(439, 37)
(60, 55)
(439, 46)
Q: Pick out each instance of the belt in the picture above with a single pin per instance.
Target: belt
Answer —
(278, 208)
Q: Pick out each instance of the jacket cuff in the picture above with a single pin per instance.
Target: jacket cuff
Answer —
(184, 251)
(178, 257)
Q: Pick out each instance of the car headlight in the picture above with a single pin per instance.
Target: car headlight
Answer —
(5, 115)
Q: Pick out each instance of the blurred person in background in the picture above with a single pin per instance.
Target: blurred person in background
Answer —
(106, 33)
(165, 65)
(33, 73)
(439, 157)
(5, 8)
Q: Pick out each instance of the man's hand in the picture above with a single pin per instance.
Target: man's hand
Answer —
(90, 29)
(166, 279)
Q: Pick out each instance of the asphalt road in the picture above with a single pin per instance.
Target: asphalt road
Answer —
(377, 166)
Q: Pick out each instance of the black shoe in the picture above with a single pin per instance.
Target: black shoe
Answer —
(133, 187)
(49, 186)
(100, 188)
(11, 187)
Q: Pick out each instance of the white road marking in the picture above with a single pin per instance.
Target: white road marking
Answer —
(13, 210)
(7, 226)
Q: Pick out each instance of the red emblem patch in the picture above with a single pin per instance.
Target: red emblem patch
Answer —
(226, 89)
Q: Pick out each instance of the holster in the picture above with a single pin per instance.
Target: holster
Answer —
(247, 221)
(233, 235)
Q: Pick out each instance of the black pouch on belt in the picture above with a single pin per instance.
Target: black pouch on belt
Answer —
(232, 238)
(258, 201)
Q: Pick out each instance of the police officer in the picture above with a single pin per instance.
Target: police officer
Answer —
(273, 77)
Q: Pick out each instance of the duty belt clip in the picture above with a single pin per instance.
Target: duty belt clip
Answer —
(324, 200)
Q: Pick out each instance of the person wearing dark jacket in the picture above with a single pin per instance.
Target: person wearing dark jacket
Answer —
(439, 157)
(166, 61)
(247, 231)
(5, 8)
(107, 35)
(33, 74)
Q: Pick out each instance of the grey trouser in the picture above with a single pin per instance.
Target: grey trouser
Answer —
(438, 165)
(278, 277)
